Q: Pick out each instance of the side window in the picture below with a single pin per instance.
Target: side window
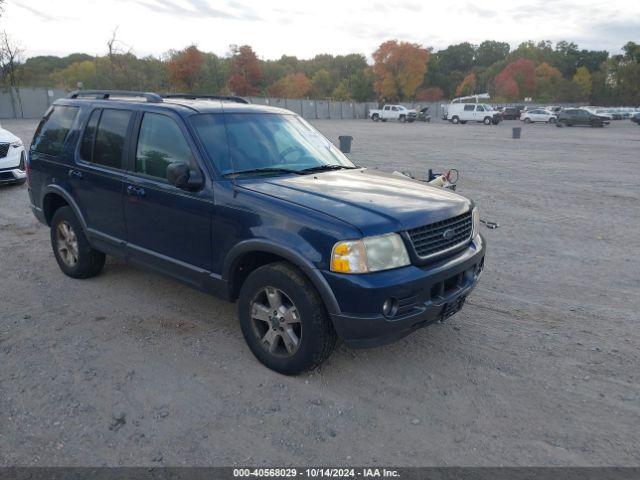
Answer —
(387, 107)
(53, 129)
(479, 108)
(110, 136)
(160, 143)
(395, 109)
(89, 135)
(468, 108)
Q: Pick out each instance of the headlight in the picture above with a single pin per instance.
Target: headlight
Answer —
(475, 216)
(371, 254)
(16, 144)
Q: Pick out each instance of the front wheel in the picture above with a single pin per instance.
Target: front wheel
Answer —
(283, 320)
(552, 120)
(455, 120)
(75, 257)
(375, 117)
(527, 120)
(402, 118)
(487, 120)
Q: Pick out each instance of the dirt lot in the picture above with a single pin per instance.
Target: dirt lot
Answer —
(542, 367)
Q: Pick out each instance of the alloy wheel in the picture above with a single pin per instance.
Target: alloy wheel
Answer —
(276, 322)
(67, 244)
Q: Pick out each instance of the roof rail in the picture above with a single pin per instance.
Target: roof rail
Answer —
(106, 94)
(192, 96)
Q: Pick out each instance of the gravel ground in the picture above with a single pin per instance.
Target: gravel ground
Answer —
(540, 368)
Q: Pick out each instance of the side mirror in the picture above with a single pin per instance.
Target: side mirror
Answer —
(181, 176)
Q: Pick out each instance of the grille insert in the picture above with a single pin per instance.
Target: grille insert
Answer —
(4, 149)
(439, 237)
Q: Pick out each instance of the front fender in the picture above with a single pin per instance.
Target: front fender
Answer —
(291, 255)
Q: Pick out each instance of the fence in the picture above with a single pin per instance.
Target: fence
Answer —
(33, 102)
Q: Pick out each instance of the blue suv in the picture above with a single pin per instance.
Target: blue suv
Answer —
(253, 204)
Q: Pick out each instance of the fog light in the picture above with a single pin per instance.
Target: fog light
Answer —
(390, 307)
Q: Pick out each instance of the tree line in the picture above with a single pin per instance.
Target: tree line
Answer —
(401, 71)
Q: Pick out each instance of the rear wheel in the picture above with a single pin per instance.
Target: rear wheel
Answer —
(75, 257)
(283, 319)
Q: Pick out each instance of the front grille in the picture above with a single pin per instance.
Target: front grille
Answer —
(4, 149)
(429, 240)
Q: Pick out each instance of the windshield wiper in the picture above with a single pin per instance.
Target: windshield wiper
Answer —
(324, 168)
(262, 170)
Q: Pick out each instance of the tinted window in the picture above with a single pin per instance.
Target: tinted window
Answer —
(213, 134)
(53, 130)
(110, 136)
(160, 143)
(468, 108)
(86, 144)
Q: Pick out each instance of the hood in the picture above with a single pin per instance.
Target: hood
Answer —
(6, 136)
(372, 201)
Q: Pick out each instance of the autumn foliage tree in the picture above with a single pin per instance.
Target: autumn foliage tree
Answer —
(185, 68)
(430, 94)
(245, 71)
(548, 80)
(295, 85)
(582, 82)
(516, 80)
(467, 86)
(399, 68)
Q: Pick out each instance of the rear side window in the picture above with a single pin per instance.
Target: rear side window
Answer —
(53, 130)
(468, 108)
(109, 138)
(160, 143)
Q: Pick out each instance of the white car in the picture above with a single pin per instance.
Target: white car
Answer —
(12, 159)
(538, 115)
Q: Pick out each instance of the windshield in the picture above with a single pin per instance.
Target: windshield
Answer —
(266, 143)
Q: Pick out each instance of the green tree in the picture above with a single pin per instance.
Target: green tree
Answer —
(582, 82)
(322, 84)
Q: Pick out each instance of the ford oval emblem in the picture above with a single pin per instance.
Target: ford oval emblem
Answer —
(448, 234)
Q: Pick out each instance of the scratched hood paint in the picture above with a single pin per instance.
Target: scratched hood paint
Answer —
(370, 200)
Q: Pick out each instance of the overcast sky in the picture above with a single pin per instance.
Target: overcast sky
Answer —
(305, 28)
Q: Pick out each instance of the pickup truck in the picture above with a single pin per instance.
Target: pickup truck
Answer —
(393, 112)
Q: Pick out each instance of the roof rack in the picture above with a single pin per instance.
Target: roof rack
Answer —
(106, 94)
(191, 96)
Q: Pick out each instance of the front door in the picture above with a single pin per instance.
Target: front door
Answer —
(168, 228)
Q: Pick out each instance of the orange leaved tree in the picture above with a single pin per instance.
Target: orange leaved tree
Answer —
(399, 68)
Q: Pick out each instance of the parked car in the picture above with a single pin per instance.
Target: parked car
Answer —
(473, 112)
(393, 112)
(538, 115)
(579, 116)
(510, 113)
(251, 203)
(635, 118)
(423, 115)
(12, 159)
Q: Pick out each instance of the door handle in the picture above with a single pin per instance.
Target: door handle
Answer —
(75, 174)
(136, 191)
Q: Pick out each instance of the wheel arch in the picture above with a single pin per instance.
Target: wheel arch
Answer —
(55, 197)
(248, 255)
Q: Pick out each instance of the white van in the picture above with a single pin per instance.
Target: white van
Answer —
(473, 112)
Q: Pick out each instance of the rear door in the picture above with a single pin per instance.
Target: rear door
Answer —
(97, 178)
(168, 228)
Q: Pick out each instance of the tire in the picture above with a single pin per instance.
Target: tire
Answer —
(527, 120)
(282, 287)
(375, 117)
(455, 120)
(552, 120)
(402, 118)
(487, 120)
(80, 260)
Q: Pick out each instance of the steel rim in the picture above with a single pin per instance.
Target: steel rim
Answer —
(67, 244)
(276, 322)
